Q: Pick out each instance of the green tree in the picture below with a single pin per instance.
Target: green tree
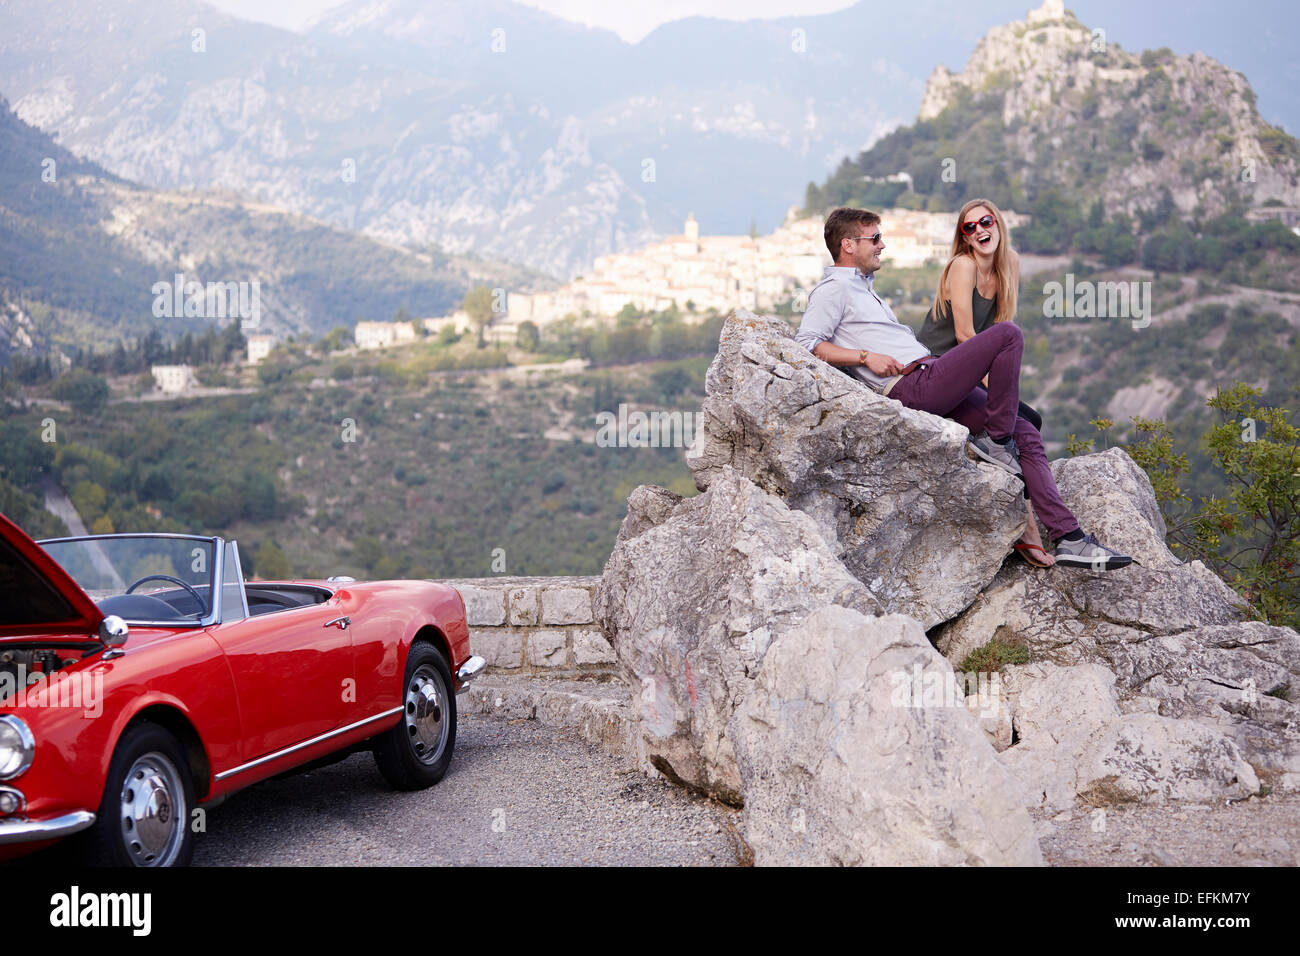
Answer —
(670, 382)
(1169, 250)
(1258, 449)
(367, 550)
(1251, 536)
(1119, 245)
(336, 338)
(478, 306)
(269, 372)
(528, 337)
(272, 564)
(1053, 223)
(83, 390)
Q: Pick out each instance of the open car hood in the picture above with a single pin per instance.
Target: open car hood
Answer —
(37, 597)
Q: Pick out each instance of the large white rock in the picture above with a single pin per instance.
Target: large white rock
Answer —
(843, 764)
(910, 513)
(1075, 744)
(692, 597)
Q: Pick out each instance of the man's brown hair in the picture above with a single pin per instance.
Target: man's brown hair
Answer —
(844, 223)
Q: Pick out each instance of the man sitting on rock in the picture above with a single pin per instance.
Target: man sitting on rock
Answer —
(848, 325)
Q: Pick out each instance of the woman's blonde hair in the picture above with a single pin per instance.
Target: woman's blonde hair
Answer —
(1007, 288)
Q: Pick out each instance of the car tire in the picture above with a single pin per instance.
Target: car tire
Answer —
(144, 817)
(416, 753)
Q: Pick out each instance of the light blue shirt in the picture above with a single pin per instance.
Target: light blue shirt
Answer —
(843, 309)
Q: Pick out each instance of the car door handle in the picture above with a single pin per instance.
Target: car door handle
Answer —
(342, 623)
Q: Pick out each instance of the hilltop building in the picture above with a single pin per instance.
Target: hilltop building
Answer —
(259, 347)
(458, 320)
(381, 335)
(1288, 216)
(173, 379)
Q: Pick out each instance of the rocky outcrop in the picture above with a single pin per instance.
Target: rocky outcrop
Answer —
(838, 768)
(692, 598)
(910, 513)
(1171, 636)
(1067, 615)
(1075, 743)
(757, 626)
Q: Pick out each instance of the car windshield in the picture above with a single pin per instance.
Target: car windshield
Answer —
(144, 578)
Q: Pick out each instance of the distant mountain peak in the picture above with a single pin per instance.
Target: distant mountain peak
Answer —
(1082, 114)
(1046, 41)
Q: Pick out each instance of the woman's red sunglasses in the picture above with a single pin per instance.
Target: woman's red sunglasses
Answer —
(968, 228)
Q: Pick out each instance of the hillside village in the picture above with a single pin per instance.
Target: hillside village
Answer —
(696, 273)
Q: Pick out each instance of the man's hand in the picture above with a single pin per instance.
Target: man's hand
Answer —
(878, 363)
(883, 365)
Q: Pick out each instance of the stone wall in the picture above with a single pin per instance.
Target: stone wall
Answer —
(535, 625)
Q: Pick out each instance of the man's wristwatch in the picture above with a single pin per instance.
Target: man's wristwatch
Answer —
(862, 356)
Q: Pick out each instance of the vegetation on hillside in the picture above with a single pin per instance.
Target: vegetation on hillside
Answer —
(1249, 534)
(397, 468)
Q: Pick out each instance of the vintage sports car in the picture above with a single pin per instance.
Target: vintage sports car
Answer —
(141, 678)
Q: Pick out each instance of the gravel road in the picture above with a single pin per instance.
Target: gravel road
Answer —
(516, 794)
(1255, 832)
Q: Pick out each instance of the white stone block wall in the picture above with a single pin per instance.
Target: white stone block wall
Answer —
(535, 625)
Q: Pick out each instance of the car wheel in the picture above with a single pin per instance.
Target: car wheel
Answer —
(145, 814)
(416, 753)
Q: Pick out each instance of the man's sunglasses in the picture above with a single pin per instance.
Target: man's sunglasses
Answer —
(968, 228)
(874, 239)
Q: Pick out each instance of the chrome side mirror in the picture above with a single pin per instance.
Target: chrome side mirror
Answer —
(113, 631)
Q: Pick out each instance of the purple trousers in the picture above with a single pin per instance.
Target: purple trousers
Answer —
(948, 387)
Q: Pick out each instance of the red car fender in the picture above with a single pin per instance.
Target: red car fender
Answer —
(387, 618)
(73, 759)
(447, 614)
(153, 699)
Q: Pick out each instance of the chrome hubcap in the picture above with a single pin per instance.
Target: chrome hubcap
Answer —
(426, 715)
(153, 811)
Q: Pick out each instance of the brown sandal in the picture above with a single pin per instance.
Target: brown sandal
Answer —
(1027, 552)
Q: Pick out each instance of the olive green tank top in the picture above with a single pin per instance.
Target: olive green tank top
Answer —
(937, 331)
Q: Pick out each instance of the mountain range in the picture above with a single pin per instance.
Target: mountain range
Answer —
(81, 251)
(482, 126)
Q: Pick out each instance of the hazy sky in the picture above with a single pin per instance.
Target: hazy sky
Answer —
(1254, 36)
(629, 20)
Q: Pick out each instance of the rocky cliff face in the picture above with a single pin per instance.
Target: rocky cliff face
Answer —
(1101, 122)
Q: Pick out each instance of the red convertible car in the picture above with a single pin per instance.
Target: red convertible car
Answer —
(141, 678)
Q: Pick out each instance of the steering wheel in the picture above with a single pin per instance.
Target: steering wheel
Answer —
(168, 577)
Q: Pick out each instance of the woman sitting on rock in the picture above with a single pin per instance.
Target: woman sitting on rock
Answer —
(978, 288)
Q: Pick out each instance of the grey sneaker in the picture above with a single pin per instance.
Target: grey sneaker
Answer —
(1087, 553)
(1005, 456)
